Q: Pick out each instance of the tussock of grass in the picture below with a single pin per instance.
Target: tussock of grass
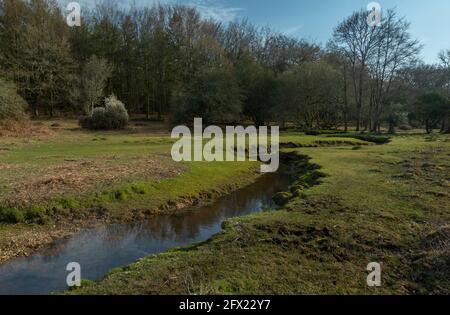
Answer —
(292, 140)
(306, 175)
(373, 138)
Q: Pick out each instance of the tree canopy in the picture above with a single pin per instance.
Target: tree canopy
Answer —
(168, 62)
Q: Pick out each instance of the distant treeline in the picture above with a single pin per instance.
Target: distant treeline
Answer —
(166, 60)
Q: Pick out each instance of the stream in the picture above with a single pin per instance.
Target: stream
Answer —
(101, 249)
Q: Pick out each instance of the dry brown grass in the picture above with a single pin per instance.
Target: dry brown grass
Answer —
(24, 129)
(79, 177)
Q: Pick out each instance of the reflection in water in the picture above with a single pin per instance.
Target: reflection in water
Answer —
(99, 250)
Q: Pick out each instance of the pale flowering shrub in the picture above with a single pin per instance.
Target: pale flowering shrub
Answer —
(113, 116)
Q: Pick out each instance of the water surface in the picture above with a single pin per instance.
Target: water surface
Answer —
(102, 249)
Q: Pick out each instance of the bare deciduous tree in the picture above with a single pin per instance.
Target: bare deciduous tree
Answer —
(357, 40)
(395, 50)
(93, 81)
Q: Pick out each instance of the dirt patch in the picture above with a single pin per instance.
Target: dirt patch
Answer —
(14, 244)
(23, 239)
(86, 175)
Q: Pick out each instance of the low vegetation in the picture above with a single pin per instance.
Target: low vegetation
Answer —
(113, 116)
(373, 138)
(82, 179)
(353, 202)
(386, 203)
(12, 105)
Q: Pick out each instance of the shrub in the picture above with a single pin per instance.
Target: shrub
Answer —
(11, 215)
(374, 138)
(99, 119)
(312, 133)
(322, 132)
(116, 113)
(111, 117)
(37, 215)
(12, 105)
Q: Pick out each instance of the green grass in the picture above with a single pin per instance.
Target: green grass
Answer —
(34, 156)
(368, 137)
(302, 140)
(41, 153)
(388, 204)
(127, 198)
(129, 194)
(385, 203)
(142, 197)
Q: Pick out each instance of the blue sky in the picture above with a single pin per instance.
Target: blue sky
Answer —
(315, 19)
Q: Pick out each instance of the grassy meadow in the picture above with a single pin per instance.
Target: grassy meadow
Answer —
(378, 203)
(55, 184)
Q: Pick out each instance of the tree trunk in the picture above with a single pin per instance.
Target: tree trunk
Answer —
(345, 122)
(391, 128)
(360, 95)
(148, 107)
(445, 128)
(427, 127)
(372, 122)
(34, 109)
(345, 100)
(358, 117)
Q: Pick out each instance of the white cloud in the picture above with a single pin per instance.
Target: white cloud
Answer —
(293, 30)
(215, 9)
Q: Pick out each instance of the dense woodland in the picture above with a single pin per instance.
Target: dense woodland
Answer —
(167, 61)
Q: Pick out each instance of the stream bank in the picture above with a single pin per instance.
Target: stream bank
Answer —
(152, 198)
(103, 248)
